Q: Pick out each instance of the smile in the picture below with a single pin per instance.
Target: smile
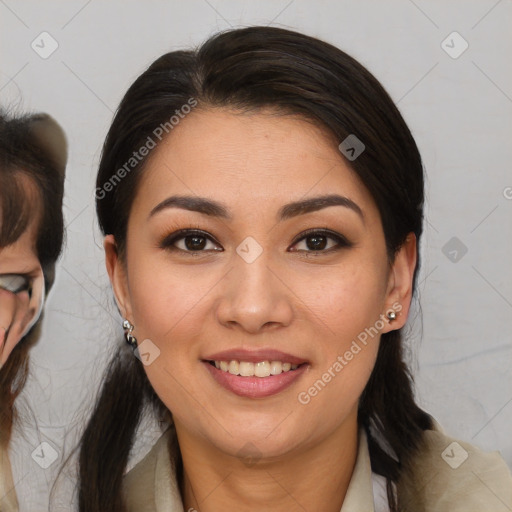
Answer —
(249, 369)
(255, 380)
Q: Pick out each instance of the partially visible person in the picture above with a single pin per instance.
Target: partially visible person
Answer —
(33, 156)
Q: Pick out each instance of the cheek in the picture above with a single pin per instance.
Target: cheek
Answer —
(166, 301)
(346, 309)
(166, 307)
(345, 300)
(157, 305)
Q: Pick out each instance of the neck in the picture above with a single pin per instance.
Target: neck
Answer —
(315, 478)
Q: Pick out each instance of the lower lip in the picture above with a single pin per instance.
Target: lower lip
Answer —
(255, 387)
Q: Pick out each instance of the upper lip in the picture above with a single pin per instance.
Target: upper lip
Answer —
(254, 356)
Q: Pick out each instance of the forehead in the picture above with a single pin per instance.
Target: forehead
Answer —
(25, 246)
(21, 256)
(248, 160)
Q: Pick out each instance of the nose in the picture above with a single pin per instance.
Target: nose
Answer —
(254, 297)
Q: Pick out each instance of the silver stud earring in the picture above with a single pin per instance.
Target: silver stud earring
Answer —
(129, 337)
(391, 315)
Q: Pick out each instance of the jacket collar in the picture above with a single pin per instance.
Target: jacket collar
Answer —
(157, 471)
(446, 476)
(8, 500)
(359, 497)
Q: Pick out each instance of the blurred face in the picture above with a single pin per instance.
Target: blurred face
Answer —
(257, 279)
(21, 289)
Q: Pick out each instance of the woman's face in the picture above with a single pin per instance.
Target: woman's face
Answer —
(276, 276)
(21, 289)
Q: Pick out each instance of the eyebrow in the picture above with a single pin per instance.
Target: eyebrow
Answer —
(215, 209)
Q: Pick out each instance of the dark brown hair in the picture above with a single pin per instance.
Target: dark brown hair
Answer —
(249, 69)
(32, 147)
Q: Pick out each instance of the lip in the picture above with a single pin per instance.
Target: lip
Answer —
(255, 387)
(254, 356)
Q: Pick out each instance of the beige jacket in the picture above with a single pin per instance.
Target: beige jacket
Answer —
(448, 476)
(8, 500)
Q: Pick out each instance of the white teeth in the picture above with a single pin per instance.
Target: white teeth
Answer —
(262, 369)
(233, 367)
(276, 367)
(248, 369)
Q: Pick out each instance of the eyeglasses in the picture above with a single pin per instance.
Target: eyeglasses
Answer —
(21, 303)
(14, 283)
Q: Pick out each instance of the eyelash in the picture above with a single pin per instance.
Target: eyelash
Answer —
(169, 241)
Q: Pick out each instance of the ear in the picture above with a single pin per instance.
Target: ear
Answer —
(399, 292)
(118, 279)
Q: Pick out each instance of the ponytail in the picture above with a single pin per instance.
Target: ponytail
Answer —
(108, 438)
(387, 410)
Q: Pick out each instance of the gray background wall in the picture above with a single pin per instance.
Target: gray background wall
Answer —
(458, 106)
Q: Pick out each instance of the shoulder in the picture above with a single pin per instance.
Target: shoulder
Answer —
(138, 483)
(452, 475)
(8, 499)
(151, 486)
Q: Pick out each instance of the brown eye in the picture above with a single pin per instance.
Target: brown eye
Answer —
(315, 240)
(194, 242)
(189, 241)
